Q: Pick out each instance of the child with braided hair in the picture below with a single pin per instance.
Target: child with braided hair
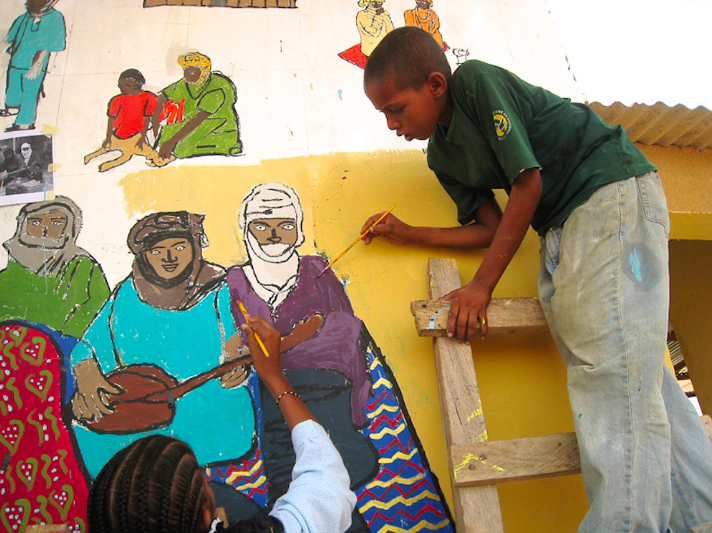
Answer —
(156, 485)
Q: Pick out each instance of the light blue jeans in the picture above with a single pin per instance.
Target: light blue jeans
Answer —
(603, 284)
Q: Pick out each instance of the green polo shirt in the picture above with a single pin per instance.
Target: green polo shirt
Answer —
(502, 125)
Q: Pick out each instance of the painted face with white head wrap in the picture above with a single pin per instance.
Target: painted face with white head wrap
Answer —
(271, 223)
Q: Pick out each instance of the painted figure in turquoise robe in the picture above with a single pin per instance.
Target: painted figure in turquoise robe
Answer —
(199, 114)
(49, 279)
(173, 312)
(32, 37)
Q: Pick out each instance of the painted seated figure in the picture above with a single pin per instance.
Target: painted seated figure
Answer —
(422, 16)
(199, 114)
(163, 325)
(49, 279)
(129, 119)
(338, 372)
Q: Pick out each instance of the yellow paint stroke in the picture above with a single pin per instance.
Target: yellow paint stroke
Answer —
(388, 431)
(249, 473)
(482, 436)
(400, 499)
(464, 464)
(383, 382)
(377, 412)
(475, 413)
(398, 479)
(49, 130)
(399, 455)
(420, 526)
(247, 486)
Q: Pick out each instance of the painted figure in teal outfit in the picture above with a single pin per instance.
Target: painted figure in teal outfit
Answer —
(173, 312)
(32, 37)
(199, 111)
(49, 279)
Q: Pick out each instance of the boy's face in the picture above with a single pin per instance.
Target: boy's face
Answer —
(412, 113)
(129, 86)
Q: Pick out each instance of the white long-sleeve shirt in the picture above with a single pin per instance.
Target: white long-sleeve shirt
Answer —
(319, 498)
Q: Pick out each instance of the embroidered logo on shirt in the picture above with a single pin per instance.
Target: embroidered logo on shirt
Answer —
(502, 124)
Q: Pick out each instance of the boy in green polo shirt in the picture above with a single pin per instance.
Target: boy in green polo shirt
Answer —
(600, 210)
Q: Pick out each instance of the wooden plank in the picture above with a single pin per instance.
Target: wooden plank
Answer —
(476, 508)
(483, 463)
(504, 315)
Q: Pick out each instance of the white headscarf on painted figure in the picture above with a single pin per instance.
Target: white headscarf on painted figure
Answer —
(273, 268)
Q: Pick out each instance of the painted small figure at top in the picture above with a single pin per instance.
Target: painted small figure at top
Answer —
(33, 36)
(373, 24)
(199, 114)
(129, 119)
(422, 16)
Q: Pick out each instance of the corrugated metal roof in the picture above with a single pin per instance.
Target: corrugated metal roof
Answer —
(661, 125)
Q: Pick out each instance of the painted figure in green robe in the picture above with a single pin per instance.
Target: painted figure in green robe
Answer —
(199, 114)
(49, 279)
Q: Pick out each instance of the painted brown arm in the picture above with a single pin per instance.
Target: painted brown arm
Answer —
(166, 149)
(234, 347)
(91, 400)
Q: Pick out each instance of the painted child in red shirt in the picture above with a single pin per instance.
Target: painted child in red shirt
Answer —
(129, 117)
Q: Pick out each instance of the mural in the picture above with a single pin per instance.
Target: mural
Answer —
(165, 349)
(196, 115)
(130, 116)
(25, 167)
(49, 279)
(33, 36)
(221, 3)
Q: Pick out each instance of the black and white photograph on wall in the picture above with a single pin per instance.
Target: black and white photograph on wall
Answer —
(26, 173)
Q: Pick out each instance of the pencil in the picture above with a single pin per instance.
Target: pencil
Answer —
(257, 337)
(356, 241)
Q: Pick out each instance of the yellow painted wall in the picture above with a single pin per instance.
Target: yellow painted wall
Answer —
(522, 380)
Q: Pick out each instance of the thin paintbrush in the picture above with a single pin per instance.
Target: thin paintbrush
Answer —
(257, 337)
(356, 241)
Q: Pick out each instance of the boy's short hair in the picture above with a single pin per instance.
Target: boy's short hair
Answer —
(132, 74)
(408, 53)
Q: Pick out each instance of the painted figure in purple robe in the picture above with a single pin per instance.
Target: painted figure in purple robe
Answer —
(334, 371)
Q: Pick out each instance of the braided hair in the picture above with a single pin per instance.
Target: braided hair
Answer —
(155, 485)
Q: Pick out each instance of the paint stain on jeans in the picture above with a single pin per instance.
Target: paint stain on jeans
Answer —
(645, 267)
(635, 265)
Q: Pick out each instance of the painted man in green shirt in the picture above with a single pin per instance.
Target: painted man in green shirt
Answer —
(199, 110)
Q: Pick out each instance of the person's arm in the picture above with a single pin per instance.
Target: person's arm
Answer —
(109, 132)
(477, 235)
(166, 149)
(468, 311)
(319, 498)
(36, 67)
(269, 369)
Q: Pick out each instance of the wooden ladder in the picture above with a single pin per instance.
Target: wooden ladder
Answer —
(476, 463)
